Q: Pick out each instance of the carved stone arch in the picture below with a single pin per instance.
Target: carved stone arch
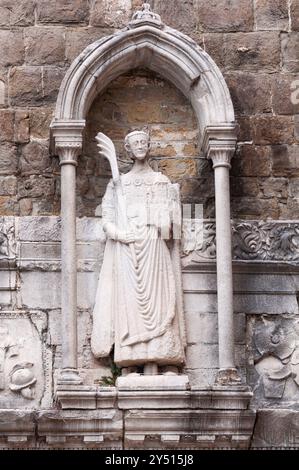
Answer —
(158, 48)
(147, 43)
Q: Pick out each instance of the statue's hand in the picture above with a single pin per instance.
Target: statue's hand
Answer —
(126, 237)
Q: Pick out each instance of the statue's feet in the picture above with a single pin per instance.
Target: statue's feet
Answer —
(151, 369)
(170, 370)
(129, 371)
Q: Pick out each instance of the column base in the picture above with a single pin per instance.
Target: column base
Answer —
(69, 376)
(229, 376)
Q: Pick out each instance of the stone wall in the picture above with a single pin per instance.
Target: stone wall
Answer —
(254, 42)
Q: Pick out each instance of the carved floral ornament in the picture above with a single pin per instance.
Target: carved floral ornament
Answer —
(254, 240)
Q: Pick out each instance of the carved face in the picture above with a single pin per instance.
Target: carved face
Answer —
(138, 146)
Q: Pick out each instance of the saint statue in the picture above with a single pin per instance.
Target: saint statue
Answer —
(138, 307)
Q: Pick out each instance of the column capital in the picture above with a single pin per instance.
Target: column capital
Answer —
(219, 143)
(68, 139)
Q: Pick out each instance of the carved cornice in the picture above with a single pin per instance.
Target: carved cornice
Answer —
(252, 241)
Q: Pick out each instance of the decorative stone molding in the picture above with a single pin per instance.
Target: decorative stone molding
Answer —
(252, 241)
(161, 49)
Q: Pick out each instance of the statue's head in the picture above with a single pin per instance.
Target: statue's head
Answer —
(137, 144)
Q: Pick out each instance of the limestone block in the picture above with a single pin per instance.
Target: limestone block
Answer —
(203, 327)
(107, 14)
(25, 86)
(22, 365)
(64, 11)
(8, 185)
(276, 428)
(265, 303)
(281, 102)
(35, 186)
(12, 47)
(272, 14)
(44, 45)
(52, 78)
(253, 161)
(200, 303)
(295, 15)
(39, 229)
(204, 356)
(35, 158)
(241, 86)
(177, 15)
(273, 130)
(8, 159)
(22, 134)
(6, 125)
(290, 52)
(41, 296)
(78, 39)
(40, 119)
(285, 160)
(258, 51)
(19, 13)
(224, 15)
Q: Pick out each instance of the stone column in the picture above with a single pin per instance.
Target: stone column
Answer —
(221, 152)
(68, 145)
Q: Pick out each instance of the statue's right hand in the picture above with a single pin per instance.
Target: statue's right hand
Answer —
(126, 237)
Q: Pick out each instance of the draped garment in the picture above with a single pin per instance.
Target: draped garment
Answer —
(139, 310)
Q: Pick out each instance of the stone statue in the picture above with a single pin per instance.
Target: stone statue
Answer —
(138, 306)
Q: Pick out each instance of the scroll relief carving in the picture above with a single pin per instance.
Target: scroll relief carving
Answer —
(257, 241)
(277, 355)
(7, 238)
(21, 364)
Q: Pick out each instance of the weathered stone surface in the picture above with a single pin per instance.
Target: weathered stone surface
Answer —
(25, 206)
(12, 48)
(282, 88)
(64, 11)
(25, 86)
(44, 45)
(178, 15)
(22, 134)
(52, 78)
(41, 229)
(295, 15)
(285, 160)
(249, 208)
(34, 158)
(78, 39)
(272, 130)
(107, 14)
(225, 15)
(2, 93)
(241, 86)
(8, 206)
(8, 159)
(272, 14)
(252, 161)
(290, 52)
(36, 186)
(40, 119)
(6, 125)
(274, 187)
(257, 51)
(8, 185)
(276, 428)
(245, 187)
(18, 13)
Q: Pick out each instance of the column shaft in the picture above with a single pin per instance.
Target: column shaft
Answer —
(224, 269)
(68, 266)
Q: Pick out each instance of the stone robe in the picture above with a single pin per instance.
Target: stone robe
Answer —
(139, 310)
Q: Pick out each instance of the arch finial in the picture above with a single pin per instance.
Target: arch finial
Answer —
(145, 16)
